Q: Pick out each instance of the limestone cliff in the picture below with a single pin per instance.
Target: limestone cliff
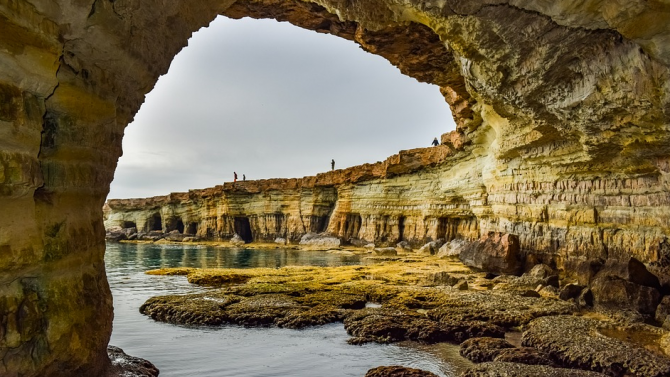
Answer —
(562, 108)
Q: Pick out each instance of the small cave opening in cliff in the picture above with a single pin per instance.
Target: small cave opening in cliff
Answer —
(352, 225)
(174, 223)
(192, 228)
(318, 224)
(154, 223)
(401, 228)
(243, 229)
(129, 224)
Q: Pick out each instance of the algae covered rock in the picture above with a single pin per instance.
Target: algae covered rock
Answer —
(398, 371)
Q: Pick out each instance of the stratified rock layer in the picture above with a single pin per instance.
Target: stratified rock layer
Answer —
(562, 111)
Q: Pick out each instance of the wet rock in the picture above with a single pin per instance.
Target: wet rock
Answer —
(582, 271)
(524, 355)
(483, 349)
(126, 365)
(280, 241)
(584, 343)
(496, 252)
(175, 236)
(570, 291)
(388, 326)
(502, 369)
(115, 236)
(615, 292)
(398, 371)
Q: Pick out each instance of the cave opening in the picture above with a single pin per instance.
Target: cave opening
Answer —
(243, 229)
(129, 224)
(154, 223)
(318, 224)
(401, 228)
(352, 225)
(192, 228)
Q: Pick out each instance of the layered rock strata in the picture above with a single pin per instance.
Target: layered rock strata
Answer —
(562, 111)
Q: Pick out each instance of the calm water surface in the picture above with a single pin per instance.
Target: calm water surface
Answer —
(238, 351)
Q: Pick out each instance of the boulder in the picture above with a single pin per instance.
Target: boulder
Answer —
(452, 248)
(570, 291)
(501, 369)
(398, 371)
(616, 292)
(237, 240)
(431, 248)
(404, 246)
(631, 270)
(385, 251)
(321, 241)
(281, 241)
(524, 355)
(442, 278)
(496, 252)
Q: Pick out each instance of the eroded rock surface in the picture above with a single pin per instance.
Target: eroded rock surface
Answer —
(562, 109)
(602, 346)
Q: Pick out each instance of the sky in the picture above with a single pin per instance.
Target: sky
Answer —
(270, 100)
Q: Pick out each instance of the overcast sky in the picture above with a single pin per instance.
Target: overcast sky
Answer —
(271, 100)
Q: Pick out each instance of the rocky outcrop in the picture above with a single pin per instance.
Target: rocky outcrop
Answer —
(562, 109)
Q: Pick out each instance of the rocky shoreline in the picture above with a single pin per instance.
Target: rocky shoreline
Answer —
(429, 299)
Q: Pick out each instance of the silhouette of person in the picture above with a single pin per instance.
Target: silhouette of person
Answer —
(234, 176)
(435, 142)
(332, 164)
(244, 177)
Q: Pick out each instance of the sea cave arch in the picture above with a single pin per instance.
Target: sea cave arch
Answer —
(526, 83)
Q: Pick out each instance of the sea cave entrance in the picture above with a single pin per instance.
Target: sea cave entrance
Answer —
(243, 229)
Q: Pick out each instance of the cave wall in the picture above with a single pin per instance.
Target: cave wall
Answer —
(562, 111)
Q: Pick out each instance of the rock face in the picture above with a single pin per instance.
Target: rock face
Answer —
(562, 109)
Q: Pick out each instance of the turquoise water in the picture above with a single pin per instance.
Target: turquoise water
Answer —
(238, 351)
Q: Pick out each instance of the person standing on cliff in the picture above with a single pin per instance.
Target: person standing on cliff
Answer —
(332, 164)
(435, 142)
(244, 177)
(234, 176)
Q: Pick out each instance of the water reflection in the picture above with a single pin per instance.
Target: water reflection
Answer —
(152, 256)
(238, 351)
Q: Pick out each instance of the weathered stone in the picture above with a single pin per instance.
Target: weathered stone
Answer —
(497, 253)
(585, 298)
(570, 291)
(663, 310)
(125, 365)
(385, 251)
(442, 278)
(502, 369)
(600, 346)
(479, 350)
(524, 355)
(398, 371)
(320, 241)
(615, 292)
(462, 285)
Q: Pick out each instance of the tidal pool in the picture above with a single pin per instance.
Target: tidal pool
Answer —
(238, 351)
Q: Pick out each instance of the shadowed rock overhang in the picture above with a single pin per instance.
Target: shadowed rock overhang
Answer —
(562, 112)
